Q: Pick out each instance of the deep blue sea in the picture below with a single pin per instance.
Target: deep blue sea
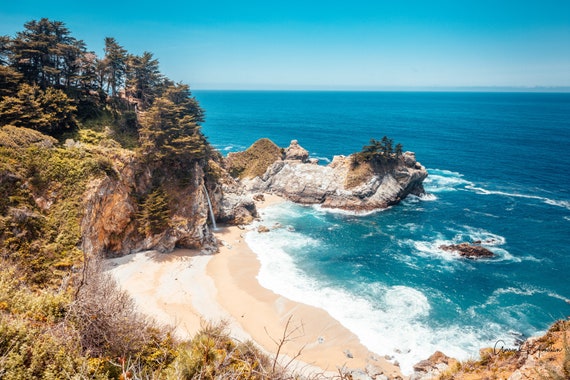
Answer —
(499, 171)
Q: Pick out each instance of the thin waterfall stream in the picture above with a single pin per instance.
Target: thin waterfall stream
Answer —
(210, 208)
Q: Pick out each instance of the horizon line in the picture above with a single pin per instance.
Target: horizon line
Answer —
(528, 89)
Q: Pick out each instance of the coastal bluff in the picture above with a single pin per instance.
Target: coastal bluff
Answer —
(344, 184)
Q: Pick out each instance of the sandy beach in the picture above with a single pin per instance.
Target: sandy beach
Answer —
(185, 289)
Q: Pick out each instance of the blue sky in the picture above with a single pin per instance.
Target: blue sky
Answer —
(353, 44)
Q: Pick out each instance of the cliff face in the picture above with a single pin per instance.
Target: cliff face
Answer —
(112, 226)
(341, 184)
(111, 223)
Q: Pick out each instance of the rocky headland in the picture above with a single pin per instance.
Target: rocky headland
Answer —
(344, 184)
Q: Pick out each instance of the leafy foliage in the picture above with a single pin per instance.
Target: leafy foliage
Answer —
(49, 111)
(169, 132)
(154, 213)
(212, 354)
(14, 137)
(380, 151)
(44, 240)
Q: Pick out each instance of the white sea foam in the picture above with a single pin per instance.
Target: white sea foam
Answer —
(552, 202)
(322, 209)
(439, 181)
(523, 290)
(431, 248)
(325, 159)
(390, 320)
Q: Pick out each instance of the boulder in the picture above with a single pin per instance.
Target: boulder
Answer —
(296, 152)
(470, 251)
(432, 367)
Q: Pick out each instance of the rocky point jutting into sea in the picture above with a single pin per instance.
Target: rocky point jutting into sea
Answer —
(343, 184)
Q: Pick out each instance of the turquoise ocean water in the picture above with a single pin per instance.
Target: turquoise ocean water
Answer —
(498, 168)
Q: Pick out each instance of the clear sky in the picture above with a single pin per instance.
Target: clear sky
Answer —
(350, 44)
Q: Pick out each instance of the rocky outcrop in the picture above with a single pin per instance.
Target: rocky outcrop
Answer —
(469, 251)
(110, 225)
(234, 204)
(255, 160)
(341, 184)
(432, 367)
(296, 152)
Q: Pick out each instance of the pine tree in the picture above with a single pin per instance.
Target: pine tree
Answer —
(144, 80)
(50, 111)
(154, 213)
(169, 130)
(45, 53)
(115, 65)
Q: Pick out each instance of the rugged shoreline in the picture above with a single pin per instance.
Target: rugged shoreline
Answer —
(186, 288)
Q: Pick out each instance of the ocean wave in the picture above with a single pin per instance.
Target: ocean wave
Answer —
(328, 210)
(524, 290)
(412, 199)
(389, 320)
(475, 234)
(321, 158)
(439, 181)
(552, 202)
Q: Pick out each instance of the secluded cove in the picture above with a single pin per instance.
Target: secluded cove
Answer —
(384, 275)
(186, 289)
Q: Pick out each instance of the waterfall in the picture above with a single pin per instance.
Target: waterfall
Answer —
(210, 207)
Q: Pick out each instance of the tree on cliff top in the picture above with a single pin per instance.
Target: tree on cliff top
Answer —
(49, 111)
(169, 131)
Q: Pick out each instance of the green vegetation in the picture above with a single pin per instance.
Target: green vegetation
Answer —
(68, 120)
(154, 213)
(379, 151)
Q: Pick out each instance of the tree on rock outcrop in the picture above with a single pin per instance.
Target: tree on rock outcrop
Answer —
(154, 213)
(380, 151)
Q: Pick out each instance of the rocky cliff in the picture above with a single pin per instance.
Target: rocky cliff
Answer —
(112, 224)
(343, 184)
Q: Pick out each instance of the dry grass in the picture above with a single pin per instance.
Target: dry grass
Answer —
(358, 173)
(254, 161)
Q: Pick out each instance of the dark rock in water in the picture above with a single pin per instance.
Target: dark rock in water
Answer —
(467, 250)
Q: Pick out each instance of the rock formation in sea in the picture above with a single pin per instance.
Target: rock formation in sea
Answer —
(470, 251)
(343, 184)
